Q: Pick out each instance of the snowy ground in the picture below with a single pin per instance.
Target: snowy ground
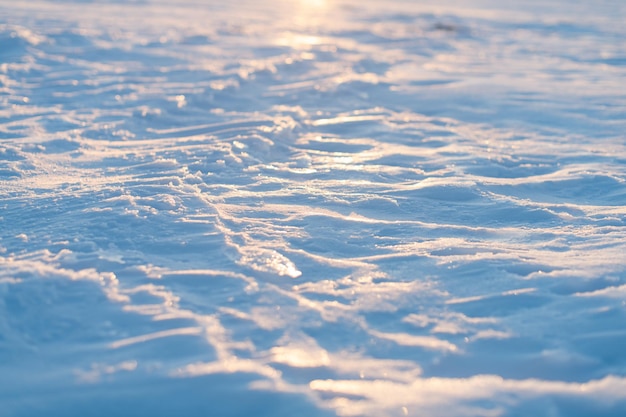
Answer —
(313, 208)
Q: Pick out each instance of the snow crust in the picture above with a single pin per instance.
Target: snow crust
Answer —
(318, 208)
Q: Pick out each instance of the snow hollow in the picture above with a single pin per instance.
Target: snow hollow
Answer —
(312, 208)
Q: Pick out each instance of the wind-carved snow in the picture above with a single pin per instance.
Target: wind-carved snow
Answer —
(312, 207)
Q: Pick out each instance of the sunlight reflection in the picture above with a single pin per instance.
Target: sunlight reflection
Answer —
(310, 7)
(313, 4)
(297, 41)
(300, 356)
(308, 15)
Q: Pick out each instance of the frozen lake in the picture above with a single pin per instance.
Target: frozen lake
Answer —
(313, 208)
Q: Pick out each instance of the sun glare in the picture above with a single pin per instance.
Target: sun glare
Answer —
(310, 12)
(314, 4)
(307, 16)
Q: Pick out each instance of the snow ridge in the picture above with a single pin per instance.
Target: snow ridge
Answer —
(321, 208)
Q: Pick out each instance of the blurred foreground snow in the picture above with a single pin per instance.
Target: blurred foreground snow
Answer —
(312, 208)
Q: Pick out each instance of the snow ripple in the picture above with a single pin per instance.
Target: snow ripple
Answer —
(321, 208)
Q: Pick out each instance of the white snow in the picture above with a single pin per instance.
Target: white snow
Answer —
(318, 208)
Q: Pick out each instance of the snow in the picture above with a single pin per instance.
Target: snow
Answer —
(320, 208)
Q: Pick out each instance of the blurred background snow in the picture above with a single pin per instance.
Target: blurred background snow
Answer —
(312, 207)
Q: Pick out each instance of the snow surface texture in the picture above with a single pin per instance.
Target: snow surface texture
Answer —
(312, 208)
